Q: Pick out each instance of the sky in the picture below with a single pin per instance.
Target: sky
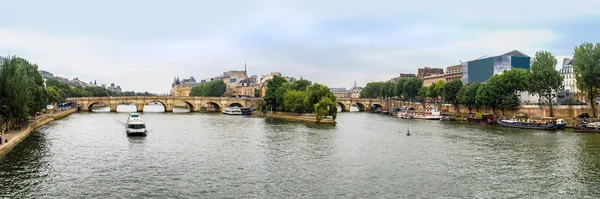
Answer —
(142, 45)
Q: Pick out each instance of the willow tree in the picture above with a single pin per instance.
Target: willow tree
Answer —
(586, 68)
(545, 79)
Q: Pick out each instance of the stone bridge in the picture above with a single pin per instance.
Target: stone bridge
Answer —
(365, 104)
(193, 103)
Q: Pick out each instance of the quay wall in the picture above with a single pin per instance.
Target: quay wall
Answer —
(561, 111)
(29, 128)
(303, 117)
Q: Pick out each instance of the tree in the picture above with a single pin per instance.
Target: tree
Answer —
(431, 92)
(271, 95)
(294, 101)
(451, 90)
(467, 95)
(315, 93)
(423, 92)
(321, 108)
(302, 84)
(281, 92)
(54, 96)
(438, 88)
(509, 102)
(411, 88)
(488, 95)
(586, 68)
(97, 91)
(256, 92)
(545, 79)
(22, 92)
(209, 89)
(373, 90)
(400, 87)
(388, 90)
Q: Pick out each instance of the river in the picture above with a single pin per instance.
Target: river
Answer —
(203, 155)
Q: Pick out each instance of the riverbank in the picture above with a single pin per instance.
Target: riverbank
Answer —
(302, 117)
(16, 136)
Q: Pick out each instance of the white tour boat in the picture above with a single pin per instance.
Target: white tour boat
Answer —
(135, 125)
(430, 114)
(237, 111)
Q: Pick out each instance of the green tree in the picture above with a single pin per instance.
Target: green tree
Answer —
(22, 92)
(510, 101)
(423, 92)
(294, 101)
(54, 96)
(451, 90)
(209, 89)
(586, 68)
(302, 84)
(488, 95)
(411, 88)
(271, 94)
(256, 92)
(388, 90)
(467, 96)
(545, 79)
(97, 91)
(439, 90)
(315, 93)
(321, 108)
(281, 92)
(400, 87)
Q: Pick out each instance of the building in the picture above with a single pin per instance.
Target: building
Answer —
(569, 83)
(46, 74)
(113, 88)
(480, 70)
(430, 80)
(341, 92)
(427, 71)
(452, 73)
(245, 87)
(355, 91)
(402, 76)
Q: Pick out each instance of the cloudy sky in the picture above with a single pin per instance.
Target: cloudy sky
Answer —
(142, 44)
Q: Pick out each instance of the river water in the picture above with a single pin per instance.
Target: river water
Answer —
(202, 155)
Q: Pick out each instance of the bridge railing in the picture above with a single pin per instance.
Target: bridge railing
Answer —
(154, 97)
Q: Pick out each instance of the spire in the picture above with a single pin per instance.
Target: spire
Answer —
(300, 77)
(245, 67)
(355, 84)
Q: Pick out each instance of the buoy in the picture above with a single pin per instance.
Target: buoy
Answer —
(407, 132)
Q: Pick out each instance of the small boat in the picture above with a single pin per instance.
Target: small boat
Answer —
(430, 114)
(135, 125)
(528, 125)
(560, 123)
(237, 111)
(134, 116)
(484, 119)
(446, 117)
(593, 127)
(406, 114)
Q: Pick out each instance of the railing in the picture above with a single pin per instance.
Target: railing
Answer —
(156, 97)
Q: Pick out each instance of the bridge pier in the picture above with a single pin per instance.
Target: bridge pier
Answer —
(139, 107)
(113, 107)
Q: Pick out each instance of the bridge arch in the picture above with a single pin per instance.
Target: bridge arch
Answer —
(155, 102)
(90, 106)
(342, 105)
(361, 106)
(235, 104)
(211, 104)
